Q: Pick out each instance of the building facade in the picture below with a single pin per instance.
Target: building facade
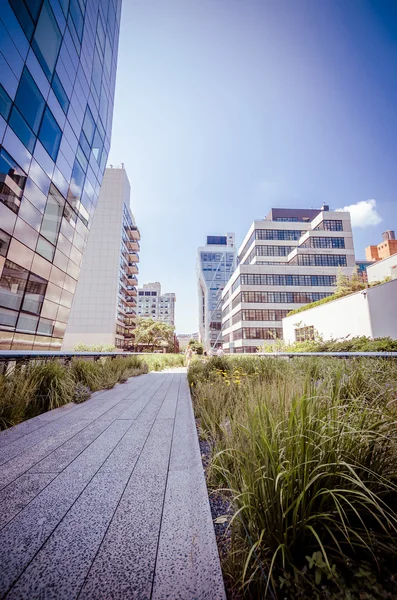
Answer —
(216, 262)
(287, 260)
(153, 304)
(371, 313)
(105, 303)
(57, 77)
(383, 269)
(184, 339)
(386, 248)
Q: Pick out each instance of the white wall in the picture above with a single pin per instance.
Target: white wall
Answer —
(337, 319)
(372, 313)
(383, 268)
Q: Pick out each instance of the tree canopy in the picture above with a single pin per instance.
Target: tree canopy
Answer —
(154, 334)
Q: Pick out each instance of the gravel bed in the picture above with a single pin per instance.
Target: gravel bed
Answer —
(221, 511)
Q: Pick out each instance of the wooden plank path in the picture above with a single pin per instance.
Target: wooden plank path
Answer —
(107, 499)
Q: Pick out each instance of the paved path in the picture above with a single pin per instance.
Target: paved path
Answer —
(107, 500)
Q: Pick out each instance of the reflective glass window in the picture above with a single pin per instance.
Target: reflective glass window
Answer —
(50, 134)
(8, 318)
(29, 101)
(77, 16)
(76, 184)
(45, 249)
(65, 6)
(97, 146)
(5, 103)
(12, 285)
(97, 71)
(34, 294)
(22, 129)
(4, 242)
(89, 125)
(27, 322)
(47, 40)
(60, 93)
(45, 326)
(52, 215)
(23, 17)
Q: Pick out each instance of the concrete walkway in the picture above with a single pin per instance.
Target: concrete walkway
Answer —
(107, 500)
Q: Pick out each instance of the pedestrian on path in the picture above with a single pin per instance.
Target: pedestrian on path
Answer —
(188, 355)
(220, 352)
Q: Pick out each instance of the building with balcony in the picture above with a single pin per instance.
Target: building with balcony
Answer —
(153, 304)
(216, 262)
(386, 248)
(289, 259)
(57, 77)
(104, 309)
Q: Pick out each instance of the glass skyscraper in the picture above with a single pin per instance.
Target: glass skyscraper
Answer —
(57, 76)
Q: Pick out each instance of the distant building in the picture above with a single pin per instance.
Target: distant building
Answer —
(289, 259)
(386, 248)
(361, 268)
(371, 313)
(184, 339)
(152, 303)
(104, 306)
(216, 262)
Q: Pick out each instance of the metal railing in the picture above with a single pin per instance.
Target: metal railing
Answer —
(28, 355)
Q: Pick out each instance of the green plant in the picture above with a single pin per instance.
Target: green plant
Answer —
(54, 386)
(307, 448)
(81, 393)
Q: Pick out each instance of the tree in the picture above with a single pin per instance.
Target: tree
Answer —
(154, 334)
(196, 346)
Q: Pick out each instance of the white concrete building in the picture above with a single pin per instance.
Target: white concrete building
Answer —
(104, 305)
(287, 260)
(152, 303)
(216, 262)
(381, 269)
(371, 312)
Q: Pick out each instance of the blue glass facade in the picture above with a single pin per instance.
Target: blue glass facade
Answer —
(58, 63)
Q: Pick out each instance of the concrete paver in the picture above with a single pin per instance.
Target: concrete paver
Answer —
(107, 499)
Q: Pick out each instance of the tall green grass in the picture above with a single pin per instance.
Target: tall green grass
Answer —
(307, 447)
(29, 390)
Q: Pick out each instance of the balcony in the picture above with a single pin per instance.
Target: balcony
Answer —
(132, 280)
(132, 291)
(130, 301)
(132, 268)
(133, 232)
(131, 256)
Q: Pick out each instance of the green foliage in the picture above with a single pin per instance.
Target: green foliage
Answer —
(197, 347)
(29, 390)
(306, 447)
(158, 362)
(95, 348)
(154, 334)
(356, 344)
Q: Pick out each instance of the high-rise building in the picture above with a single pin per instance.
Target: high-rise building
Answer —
(216, 262)
(287, 260)
(386, 248)
(152, 303)
(104, 305)
(57, 75)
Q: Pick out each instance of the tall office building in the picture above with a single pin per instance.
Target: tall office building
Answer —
(287, 260)
(216, 262)
(152, 303)
(57, 75)
(104, 305)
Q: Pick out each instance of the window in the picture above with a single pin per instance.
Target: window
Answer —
(21, 128)
(47, 40)
(284, 280)
(330, 225)
(12, 285)
(29, 101)
(34, 294)
(76, 184)
(4, 242)
(5, 103)
(324, 242)
(277, 234)
(321, 260)
(50, 134)
(60, 93)
(77, 17)
(9, 169)
(89, 126)
(52, 215)
(304, 333)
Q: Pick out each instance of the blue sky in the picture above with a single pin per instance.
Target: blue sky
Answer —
(226, 108)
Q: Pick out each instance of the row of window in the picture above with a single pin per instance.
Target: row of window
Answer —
(277, 298)
(258, 315)
(268, 251)
(319, 260)
(324, 242)
(330, 225)
(275, 280)
(258, 333)
(304, 333)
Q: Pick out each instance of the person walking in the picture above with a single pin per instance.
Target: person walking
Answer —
(188, 355)
(220, 352)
